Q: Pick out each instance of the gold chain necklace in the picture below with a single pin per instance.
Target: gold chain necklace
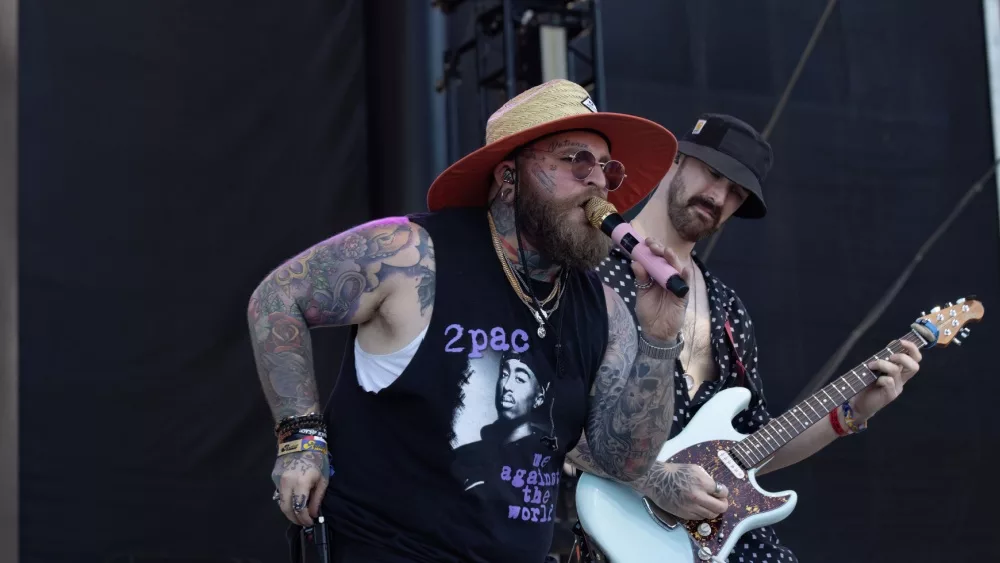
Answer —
(540, 316)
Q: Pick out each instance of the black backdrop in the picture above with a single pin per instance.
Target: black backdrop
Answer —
(172, 153)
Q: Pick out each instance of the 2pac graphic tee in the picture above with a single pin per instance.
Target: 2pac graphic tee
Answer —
(460, 458)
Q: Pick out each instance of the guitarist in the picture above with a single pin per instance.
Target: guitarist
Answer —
(718, 173)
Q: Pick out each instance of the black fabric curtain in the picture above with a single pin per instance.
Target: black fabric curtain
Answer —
(171, 154)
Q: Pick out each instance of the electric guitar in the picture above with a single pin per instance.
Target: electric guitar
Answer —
(628, 528)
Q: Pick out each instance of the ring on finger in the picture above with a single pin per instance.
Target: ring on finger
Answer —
(297, 506)
(718, 489)
(646, 285)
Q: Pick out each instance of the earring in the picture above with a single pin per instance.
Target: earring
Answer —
(505, 195)
(508, 176)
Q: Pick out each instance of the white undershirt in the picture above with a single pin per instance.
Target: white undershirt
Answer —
(378, 371)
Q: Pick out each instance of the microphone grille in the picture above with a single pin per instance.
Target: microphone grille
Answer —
(597, 210)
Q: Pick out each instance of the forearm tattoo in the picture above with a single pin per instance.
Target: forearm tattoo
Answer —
(632, 404)
(328, 285)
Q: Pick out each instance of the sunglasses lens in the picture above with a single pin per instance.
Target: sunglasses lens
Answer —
(614, 171)
(583, 164)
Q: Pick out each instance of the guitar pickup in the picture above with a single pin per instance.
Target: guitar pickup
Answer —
(731, 464)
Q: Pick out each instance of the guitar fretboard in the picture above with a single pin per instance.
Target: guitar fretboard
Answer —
(757, 447)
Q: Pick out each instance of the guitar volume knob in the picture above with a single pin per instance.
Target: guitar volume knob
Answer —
(704, 529)
(704, 554)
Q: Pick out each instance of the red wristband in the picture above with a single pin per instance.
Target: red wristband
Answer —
(835, 423)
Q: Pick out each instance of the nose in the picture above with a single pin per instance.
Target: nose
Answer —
(598, 179)
(717, 191)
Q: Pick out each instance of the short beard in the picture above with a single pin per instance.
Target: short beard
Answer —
(689, 228)
(569, 244)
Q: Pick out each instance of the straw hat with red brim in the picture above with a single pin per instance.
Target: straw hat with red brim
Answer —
(647, 149)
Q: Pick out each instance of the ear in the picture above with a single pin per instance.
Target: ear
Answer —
(539, 400)
(499, 170)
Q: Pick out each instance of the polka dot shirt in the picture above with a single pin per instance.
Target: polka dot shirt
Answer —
(616, 272)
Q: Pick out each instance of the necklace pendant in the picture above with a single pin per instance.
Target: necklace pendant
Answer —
(689, 381)
(541, 331)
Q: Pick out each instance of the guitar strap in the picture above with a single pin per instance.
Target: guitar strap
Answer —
(741, 370)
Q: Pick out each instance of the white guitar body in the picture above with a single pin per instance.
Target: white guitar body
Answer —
(617, 519)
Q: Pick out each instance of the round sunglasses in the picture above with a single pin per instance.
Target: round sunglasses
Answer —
(583, 163)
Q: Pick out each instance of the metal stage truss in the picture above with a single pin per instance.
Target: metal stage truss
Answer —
(514, 43)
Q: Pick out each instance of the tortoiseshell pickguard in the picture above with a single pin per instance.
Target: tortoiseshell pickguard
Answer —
(744, 499)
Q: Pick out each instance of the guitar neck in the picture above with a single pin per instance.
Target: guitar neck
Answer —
(759, 446)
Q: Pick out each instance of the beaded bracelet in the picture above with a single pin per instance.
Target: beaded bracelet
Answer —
(835, 423)
(311, 420)
(849, 420)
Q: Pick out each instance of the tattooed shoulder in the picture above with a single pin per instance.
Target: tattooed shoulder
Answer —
(342, 280)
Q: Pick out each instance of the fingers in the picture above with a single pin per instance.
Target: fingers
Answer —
(886, 368)
(909, 366)
(912, 350)
(714, 500)
(300, 488)
(317, 498)
(285, 499)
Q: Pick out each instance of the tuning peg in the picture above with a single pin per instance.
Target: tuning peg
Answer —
(923, 313)
(964, 332)
(949, 304)
(936, 310)
(957, 341)
(960, 301)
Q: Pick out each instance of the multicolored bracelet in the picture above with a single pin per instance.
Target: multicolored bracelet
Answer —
(293, 433)
(308, 444)
(849, 420)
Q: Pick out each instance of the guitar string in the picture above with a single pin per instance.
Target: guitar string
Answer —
(747, 452)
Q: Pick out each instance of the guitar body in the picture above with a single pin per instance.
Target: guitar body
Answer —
(628, 530)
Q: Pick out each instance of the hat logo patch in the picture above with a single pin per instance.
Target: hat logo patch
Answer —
(589, 104)
(698, 126)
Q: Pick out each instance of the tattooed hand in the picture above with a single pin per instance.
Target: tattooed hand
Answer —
(301, 479)
(684, 490)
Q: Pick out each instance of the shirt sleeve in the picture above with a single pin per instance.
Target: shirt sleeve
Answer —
(743, 332)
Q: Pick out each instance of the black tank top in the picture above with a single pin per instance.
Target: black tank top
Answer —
(460, 458)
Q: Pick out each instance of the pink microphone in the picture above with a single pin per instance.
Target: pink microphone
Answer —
(603, 215)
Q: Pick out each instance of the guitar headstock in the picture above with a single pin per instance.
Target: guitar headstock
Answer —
(947, 323)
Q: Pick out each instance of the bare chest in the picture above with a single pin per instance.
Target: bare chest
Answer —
(696, 357)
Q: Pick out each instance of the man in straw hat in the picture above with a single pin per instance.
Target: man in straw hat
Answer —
(720, 169)
(503, 262)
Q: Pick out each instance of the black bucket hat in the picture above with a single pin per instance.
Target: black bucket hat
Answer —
(735, 150)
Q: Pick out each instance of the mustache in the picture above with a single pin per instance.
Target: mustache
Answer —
(712, 208)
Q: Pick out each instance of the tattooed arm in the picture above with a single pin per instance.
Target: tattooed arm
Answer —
(380, 276)
(631, 403)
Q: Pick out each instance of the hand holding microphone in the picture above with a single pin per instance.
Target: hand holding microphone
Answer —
(605, 217)
(660, 313)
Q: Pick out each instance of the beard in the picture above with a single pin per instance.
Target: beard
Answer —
(558, 235)
(687, 221)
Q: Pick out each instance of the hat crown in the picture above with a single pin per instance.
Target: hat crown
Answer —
(546, 102)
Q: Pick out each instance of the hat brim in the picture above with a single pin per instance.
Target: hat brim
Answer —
(647, 150)
(753, 207)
